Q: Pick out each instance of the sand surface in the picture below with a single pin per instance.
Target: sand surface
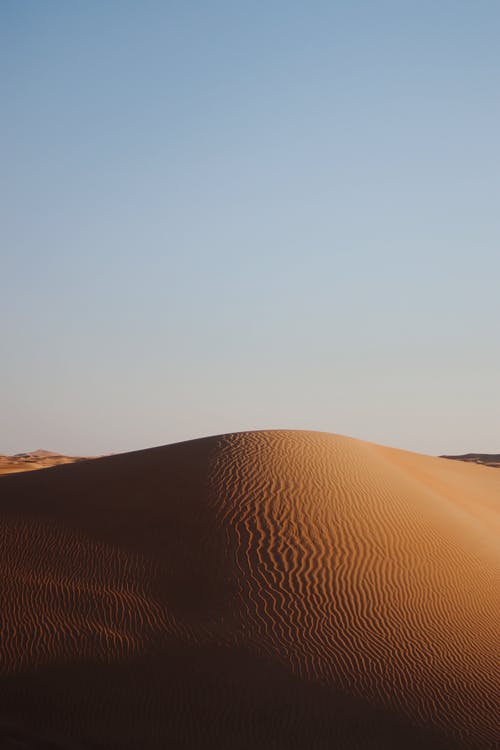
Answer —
(268, 590)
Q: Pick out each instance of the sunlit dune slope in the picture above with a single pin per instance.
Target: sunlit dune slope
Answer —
(254, 590)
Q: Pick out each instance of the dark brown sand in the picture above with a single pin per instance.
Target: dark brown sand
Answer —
(256, 590)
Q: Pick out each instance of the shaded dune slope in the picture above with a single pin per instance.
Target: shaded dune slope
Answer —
(269, 589)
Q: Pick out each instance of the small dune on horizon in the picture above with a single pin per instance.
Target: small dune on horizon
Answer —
(486, 459)
(273, 589)
(34, 460)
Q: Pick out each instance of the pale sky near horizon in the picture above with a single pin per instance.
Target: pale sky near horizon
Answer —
(220, 216)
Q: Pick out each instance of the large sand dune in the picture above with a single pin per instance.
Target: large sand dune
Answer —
(254, 590)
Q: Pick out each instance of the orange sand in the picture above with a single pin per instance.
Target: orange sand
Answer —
(254, 590)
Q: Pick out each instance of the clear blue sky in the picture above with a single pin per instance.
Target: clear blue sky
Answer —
(239, 215)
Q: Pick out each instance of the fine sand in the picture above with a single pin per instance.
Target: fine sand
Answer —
(267, 590)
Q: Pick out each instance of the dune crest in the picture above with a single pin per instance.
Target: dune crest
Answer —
(274, 589)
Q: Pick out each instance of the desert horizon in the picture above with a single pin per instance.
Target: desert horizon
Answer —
(41, 458)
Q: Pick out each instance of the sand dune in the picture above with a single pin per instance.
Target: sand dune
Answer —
(32, 460)
(253, 590)
(488, 459)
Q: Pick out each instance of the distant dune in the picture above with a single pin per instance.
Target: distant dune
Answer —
(267, 590)
(487, 459)
(39, 459)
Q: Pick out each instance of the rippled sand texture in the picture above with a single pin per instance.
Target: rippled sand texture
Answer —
(255, 590)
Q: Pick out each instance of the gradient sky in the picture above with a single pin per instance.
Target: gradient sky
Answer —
(238, 215)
